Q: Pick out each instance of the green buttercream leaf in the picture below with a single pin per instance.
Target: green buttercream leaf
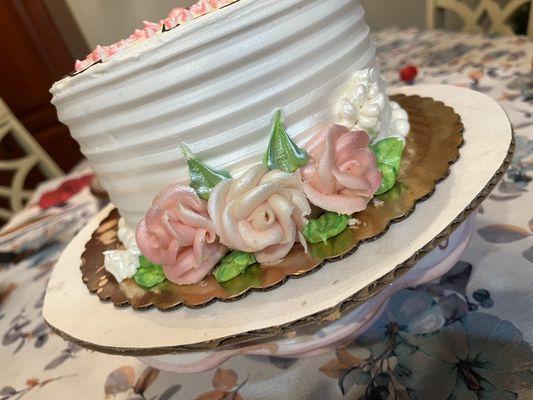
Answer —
(334, 247)
(388, 179)
(282, 153)
(326, 227)
(248, 279)
(389, 156)
(232, 265)
(149, 274)
(203, 178)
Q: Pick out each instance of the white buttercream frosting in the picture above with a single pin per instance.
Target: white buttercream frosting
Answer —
(123, 264)
(127, 237)
(399, 123)
(213, 84)
(365, 106)
(177, 16)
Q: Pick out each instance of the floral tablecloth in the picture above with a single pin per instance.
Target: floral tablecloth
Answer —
(466, 336)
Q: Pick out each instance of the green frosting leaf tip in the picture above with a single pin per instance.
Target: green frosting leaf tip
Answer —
(186, 151)
(278, 116)
(149, 274)
(389, 156)
(233, 265)
(326, 227)
(282, 153)
(203, 178)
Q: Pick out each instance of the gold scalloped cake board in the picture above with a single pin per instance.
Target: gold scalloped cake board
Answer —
(432, 146)
(336, 289)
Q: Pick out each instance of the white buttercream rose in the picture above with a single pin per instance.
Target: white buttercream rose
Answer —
(261, 212)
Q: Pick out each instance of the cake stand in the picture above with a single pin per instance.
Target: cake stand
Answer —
(320, 339)
(334, 292)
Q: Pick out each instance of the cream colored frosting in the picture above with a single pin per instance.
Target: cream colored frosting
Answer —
(362, 106)
(123, 264)
(261, 212)
(399, 123)
(365, 106)
(213, 84)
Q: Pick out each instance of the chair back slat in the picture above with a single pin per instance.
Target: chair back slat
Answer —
(499, 16)
(34, 156)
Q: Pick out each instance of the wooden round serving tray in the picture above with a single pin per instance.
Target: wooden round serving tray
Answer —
(323, 296)
(432, 147)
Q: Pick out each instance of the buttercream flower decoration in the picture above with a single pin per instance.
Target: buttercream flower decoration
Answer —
(178, 234)
(363, 104)
(342, 175)
(262, 212)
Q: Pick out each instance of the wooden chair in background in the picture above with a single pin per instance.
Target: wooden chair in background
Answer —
(15, 194)
(498, 15)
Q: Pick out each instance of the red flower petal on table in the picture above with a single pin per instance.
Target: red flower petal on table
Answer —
(64, 192)
(409, 73)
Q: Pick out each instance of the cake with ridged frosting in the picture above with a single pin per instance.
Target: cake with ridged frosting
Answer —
(228, 132)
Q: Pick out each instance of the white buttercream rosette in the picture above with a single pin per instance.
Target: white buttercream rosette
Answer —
(366, 107)
(363, 104)
(399, 123)
(262, 212)
(123, 264)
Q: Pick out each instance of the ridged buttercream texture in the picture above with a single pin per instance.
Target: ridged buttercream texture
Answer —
(213, 84)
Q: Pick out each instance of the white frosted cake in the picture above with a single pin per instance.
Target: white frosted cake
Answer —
(210, 79)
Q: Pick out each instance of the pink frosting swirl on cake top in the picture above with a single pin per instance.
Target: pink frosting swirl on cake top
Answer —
(178, 16)
(342, 175)
(261, 212)
(178, 233)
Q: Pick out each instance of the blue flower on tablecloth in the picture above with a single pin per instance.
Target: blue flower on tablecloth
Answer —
(408, 311)
(21, 332)
(520, 173)
(429, 344)
(443, 57)
(474, 358)
(391, 46)
(421, 311)
(32, 385)
(523, 83)
(365, 369)
(522, 165)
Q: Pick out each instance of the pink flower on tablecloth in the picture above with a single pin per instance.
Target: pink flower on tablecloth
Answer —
(178, 234)
(342, 175)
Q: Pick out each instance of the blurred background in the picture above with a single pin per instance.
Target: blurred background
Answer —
(42, 38)
(103, 21)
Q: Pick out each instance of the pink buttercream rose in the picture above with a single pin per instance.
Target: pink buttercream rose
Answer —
(178, 233)
(342, 174)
